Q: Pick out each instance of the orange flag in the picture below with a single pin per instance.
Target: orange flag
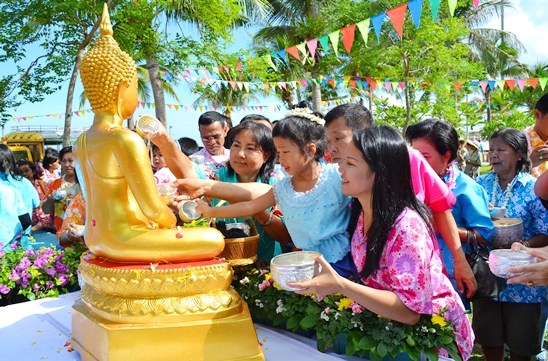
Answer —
(510, 83)
(533, 82)
(294, 52)
(348, 36)
(397, 16)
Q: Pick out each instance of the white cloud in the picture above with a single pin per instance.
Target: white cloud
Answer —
(527, 20)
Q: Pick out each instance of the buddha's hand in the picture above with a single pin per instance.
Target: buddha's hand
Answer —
(203, 208)
(189, 188)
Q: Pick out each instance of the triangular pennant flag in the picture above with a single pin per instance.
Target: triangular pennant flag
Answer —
(283, 85)
(348, 37)
(387, 86)
(373, 84)
(394, 86)
(452, 6)
(334, 38)
(293, 52)
(169, 106)
(476, 3)
(500, 84)
(266, 86)
(282, 54)
(435, 7)
(268, 60)
(363, 26)
(402, 85)
(533, 82)
(246, 86)
(542, 82)
(239, 85)
(492, 84)
(176, 106)
(458, 85)
(415, 7)
(324, 42)
(352, 83)
(312, 46)
(377, 24)
(232, 84)
(521, 84)
(397, 16)
(302, 49)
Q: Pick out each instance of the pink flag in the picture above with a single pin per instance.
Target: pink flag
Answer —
(312, 45)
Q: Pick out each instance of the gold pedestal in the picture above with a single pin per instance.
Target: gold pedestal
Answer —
(161, 312)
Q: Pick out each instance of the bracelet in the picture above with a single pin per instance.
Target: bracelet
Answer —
(270, 219)
(525, 243)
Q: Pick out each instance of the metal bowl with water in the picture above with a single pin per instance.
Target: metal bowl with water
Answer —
(507, 231)
(293, 267)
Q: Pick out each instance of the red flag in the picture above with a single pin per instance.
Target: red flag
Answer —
(533, 82)
(348, 37)
(352, 83)
(397, 16)
(458, 85)
(510, 83)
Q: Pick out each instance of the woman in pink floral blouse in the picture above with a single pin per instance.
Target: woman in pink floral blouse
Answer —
(393, 243)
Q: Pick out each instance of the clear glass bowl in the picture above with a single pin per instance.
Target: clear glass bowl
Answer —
(500, 260)
(293, 267)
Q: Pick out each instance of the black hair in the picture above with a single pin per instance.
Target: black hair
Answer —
(253, 117)
(385, 152)
(188, 145)
(302, 131)
(30, 164)
(65, 150)
(356, 116)
(542, 104)
(50, 156)
(7, 162)
(518, 142)
(440, 134)
(264, 141)
(211, 117)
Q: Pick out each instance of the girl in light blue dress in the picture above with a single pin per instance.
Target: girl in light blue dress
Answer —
(316, 212)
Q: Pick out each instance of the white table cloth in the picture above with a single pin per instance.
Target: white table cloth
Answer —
(40, 330)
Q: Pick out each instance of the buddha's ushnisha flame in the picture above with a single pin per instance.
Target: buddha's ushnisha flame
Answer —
(104, 68)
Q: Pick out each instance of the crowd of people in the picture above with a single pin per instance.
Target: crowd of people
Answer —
(390, 213)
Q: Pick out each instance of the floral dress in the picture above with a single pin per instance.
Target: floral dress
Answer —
(411, 268)
(533, 141)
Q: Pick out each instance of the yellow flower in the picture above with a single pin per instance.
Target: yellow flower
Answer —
(267, 277)
(276, 286)
(439, 320)
(344, 303)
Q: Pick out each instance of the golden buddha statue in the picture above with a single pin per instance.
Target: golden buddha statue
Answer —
(122, 225)
(150, 291)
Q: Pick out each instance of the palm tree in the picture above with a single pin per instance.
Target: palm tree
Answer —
(291, 22)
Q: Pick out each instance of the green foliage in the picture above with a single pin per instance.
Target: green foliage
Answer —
(337, 316)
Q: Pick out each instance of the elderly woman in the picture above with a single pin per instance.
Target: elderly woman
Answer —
(514, 318)
(438, 142)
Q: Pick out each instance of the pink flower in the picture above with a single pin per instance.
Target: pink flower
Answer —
(264, 285)
(356, 308)
(4, 289)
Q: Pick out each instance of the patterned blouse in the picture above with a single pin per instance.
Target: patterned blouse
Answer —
(533, 141)
(411, 268)
(523, 203)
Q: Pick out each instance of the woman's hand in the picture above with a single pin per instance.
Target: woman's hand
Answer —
(539, 155)
(203, 208)
(535, 274)
(325, 283)
(189, 188)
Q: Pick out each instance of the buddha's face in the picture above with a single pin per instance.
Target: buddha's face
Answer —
(129, 99)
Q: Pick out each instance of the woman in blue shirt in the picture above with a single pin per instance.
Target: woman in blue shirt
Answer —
(438, 142)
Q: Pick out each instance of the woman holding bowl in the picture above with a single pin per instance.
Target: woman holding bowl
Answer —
(514, 319)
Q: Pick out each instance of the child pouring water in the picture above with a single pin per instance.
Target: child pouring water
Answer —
(316, 213)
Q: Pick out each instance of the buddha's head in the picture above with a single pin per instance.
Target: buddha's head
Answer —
(109, 75)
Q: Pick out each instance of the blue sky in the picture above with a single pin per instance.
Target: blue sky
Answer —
(528, 20)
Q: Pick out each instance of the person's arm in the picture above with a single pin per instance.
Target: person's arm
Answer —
(241, 209)
(273, 225)
(446, 226)
(231, 192)
(382, 302)
(177, 162)
(541, 186)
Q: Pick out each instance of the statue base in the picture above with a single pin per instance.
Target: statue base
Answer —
(145, 312)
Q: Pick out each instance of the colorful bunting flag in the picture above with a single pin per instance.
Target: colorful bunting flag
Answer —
(452, 6)
(415, 7)
(348, 37)
(334, 38)
(397, 16)
(542, 82)
(476, 3)
(377, 24)
(324, 42)
(363, 26)
(312, 45)
(435, 7)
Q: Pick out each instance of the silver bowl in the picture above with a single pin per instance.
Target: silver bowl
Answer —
(506, 232)
(500, 260)
(497, 212)
(188, 212)
(293, 267)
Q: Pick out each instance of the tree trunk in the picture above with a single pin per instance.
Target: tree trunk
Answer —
(157, 89)
(316, 97)
(74, 76)
(407, 107)
(487, 95)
